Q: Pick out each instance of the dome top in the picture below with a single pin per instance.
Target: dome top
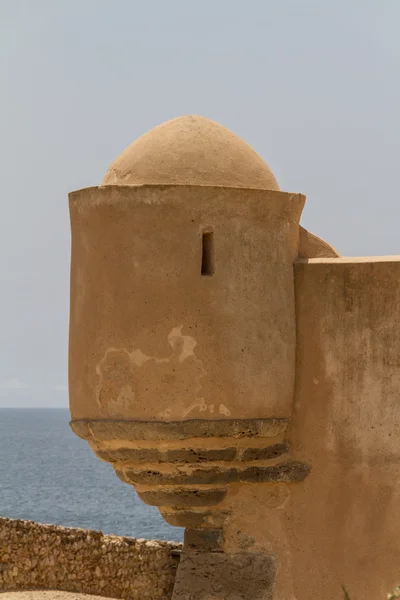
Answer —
(190, 150)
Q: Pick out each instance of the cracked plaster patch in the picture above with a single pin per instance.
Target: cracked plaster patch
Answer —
(132, 382)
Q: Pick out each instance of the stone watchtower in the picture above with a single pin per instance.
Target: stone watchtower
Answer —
(194, 304)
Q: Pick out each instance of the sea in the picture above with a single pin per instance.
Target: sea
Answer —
(49, 475)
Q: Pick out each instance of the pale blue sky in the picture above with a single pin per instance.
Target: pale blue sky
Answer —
(313, 86)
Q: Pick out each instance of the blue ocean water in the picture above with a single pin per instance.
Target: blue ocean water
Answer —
(49, 475)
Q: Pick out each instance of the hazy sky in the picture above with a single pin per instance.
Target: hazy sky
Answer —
(313, 86)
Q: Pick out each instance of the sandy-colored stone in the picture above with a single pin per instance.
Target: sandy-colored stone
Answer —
(167, 343)
(39, 557)
(48, 595)
(220, 576)
(236, 370)
(311, 246)
(190, 150)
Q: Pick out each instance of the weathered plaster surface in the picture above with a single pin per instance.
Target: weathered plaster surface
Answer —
(49, 595)
(191, 150)
(341, 524)
(311, 246)
(257, 404)
(128, 378)
(165, 342)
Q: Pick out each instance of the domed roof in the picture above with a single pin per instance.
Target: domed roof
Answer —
(194, 151)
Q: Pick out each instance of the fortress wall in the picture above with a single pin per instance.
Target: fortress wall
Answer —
(36, 556)
(342, 522)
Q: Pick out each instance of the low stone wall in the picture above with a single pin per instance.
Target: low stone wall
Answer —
(35, 556)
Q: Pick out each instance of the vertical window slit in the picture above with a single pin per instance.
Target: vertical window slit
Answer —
(207, 256)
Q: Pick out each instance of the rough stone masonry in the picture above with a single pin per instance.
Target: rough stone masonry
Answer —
(35, 556)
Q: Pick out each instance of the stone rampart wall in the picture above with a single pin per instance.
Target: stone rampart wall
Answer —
(35, 556)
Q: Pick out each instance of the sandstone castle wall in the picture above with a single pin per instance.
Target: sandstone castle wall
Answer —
(35, 556)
